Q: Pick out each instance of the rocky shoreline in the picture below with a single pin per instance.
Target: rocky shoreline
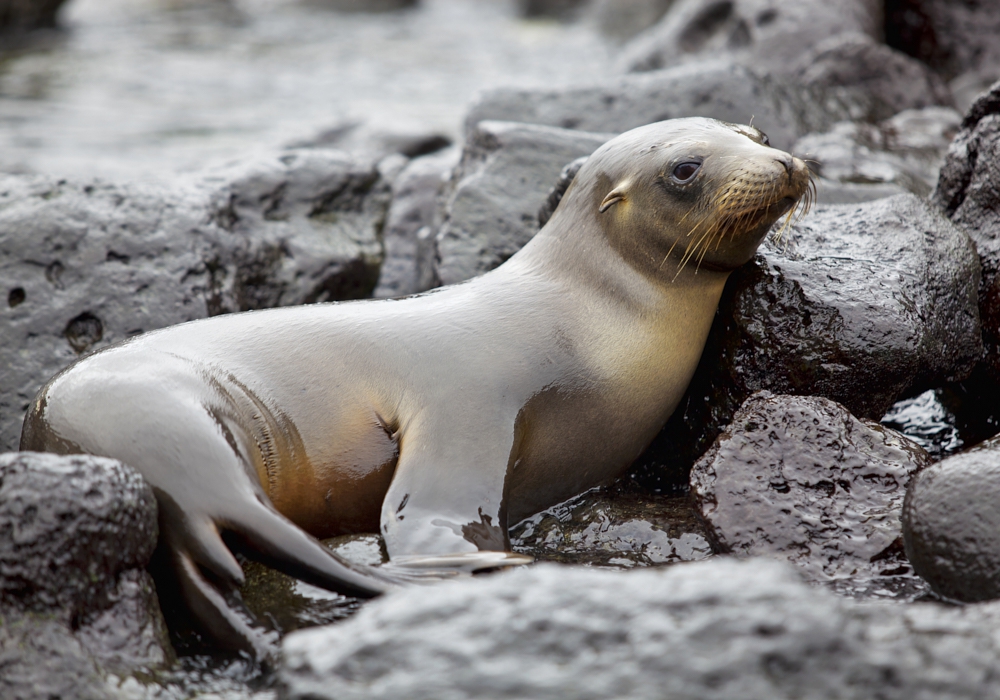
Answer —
(775, 541)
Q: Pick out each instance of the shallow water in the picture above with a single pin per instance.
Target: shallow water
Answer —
(143, 89)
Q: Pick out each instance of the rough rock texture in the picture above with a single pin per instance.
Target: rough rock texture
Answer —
(76, 533)
(22, 15)
(712, 630)
(951, 524)
(718, 89)
(952, 37)
(858, 303)
(616, 528)
(969, 194)
(411, 225)
(858, 162)
(499, 186)
(84, 265)
(770, 34)
(799, 477)
(874, 80)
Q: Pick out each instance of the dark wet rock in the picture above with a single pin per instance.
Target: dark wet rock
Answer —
(501, 182)
(768, 34)
(857, 162)
(951, 524)
(862, 304)
(969, 194)
(800, 478)
(76, 533)
(562, 9)
(927, 421)
(621, 20)
(719, 89)
(709, 630)
(287, 604)
(88, 264)
(411, 225)
(954, 38)
(872, 79)
(609, 527)
(24, 15)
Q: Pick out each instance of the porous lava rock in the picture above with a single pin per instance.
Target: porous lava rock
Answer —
(951, 524)
(712, 630)
(800, 478)
(498, 187)
(86, 264)
(768, 34)
(76, 533)
(860, 303)
(969, 194)
(857, 161)
(713, 88)
(411, 225)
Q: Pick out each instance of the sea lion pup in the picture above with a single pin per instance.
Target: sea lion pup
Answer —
(440, 418)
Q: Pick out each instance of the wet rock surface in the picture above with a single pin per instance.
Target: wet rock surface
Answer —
(880, 295)
(969, 194)
(89, 264)
(716, 629)
(501, 182)
(952, 526)
(859, 162)
(800, 478)
(76, 533)
(23, 15)
(717, 88)
(615, 527)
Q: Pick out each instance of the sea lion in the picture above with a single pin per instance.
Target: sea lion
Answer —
(436, 419)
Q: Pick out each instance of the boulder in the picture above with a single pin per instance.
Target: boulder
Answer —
(856, 161)
(76, 533)
(713, 88)
(769, 35)
(862, 304)
(614, 527)
(88, 264)
(498, 187)
(951, 524)
(711, 630)
(800, 478)
(620, 20)
(411, 225)
(969, 194)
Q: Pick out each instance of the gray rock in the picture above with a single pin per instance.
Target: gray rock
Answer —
(800, 478)
(411, 225)
(566, 177)
(562, 9)
(719, 89)
(501, 182)
(969, 194)
(42, 660)
(860, 162)
(23, 15)
(860, 304)
(711, 630)
(872, 79)
(88, 264)
(951, 524)
(614, 528)
(620, 20)
(769, 35)
(362, 5)
(76, 533)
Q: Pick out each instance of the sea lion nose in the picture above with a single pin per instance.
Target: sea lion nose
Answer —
(786, 161)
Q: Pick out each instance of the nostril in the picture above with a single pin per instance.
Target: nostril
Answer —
(786, 160)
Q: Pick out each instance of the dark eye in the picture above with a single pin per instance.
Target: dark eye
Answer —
(685, 171)
(764, 140)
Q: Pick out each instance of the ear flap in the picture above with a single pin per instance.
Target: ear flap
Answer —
(614, 196)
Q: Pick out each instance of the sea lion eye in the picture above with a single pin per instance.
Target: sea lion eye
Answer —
(685, 171)
(764, 140)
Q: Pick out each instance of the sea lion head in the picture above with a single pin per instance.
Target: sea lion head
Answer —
(691, 193)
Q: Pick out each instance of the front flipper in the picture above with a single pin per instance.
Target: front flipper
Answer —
(445, 509)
